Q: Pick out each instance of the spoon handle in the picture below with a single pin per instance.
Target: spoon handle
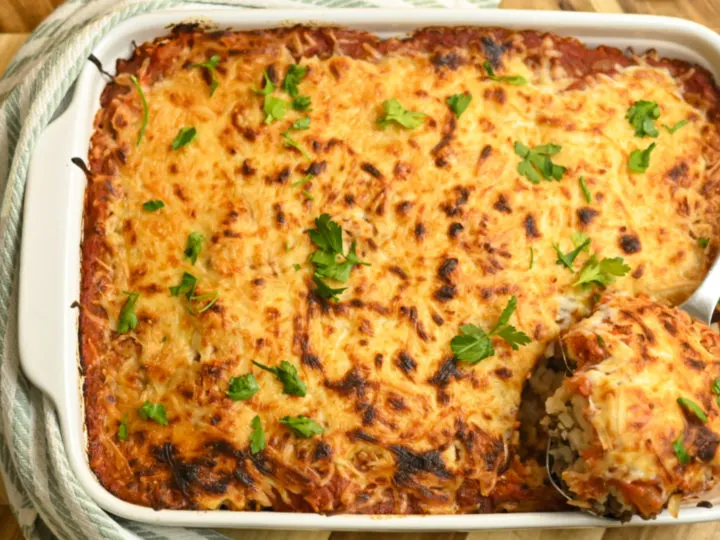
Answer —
(701, 304)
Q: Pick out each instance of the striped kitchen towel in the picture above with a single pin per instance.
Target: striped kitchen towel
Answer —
(45, 497)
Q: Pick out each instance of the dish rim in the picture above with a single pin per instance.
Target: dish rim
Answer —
(52, 232)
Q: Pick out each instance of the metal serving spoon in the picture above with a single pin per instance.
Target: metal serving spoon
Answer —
(700, 306)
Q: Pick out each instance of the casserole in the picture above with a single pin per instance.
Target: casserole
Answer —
(37, 297)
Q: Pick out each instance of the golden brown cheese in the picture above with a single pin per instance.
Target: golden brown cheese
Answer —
(636, 447)
(407, 428)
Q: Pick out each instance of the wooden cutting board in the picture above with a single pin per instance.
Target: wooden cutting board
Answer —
(17, 17)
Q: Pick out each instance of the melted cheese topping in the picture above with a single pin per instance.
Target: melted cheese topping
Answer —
(406, 429)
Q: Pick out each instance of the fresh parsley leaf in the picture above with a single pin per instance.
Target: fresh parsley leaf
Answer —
(716, 387)
(394, 112)
(568, 259)
(601, 273)
(642, 116)
(187, 286)
(537, 164)
(210, 65)
(296, 267)
(287, 375)
(640, 159)
(274, 109)
(308, 195)
(459, 102)
(517, 80)
(289, 141)
(257, 436)
(585, 190)
(694, 408)
(302, 103)
(153, 205)
(242, 388)
(296, 73)
(146, 110)
(194, 245)
(127, 319)
(153, 411)
(327, 266)
(122, 430)
(674, 128)
(303, 181)
(703, 242)
(301, 124)
(327, 235)
(680, 452)
(269, 87)
(532, 258)
(302, 426)
(213, 296)
(600, 340)
(185, 136)
(325, 291)
(474, 344)
(513, 336)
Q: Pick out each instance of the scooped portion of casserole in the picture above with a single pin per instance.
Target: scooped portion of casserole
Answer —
(636, 427)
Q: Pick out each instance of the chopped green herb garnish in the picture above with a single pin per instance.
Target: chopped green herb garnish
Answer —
(243, 387)
(213, 296)
(274, 109)
(302, 426)
(257, 436)
(517, 80)
(703, 242)
(325, 291)
(601, 273)
(600, 340)
(146, 111)
(187, 286)
(459, 102)
(287, 375)
(301, 124)
(210, 65)
(474, 344)
(642, 116)
(716, 390)
(674, 128)
(185, 136)
(302, 103)
(568, 259)
(536, 163)
(308, 196)
(296, 267)
(153, 411)
(154, 205)
(330, 260)
(680, 452)
(194, 245)
(585, 190)
(122, 430)
(128, 320)
(289, 141)
(296, 73)
(640, 159)
(269, 87)
(303, 181)
(394, 112)
(694, 408)
(532, 258)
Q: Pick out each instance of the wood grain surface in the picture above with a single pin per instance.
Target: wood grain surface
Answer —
(18, 17)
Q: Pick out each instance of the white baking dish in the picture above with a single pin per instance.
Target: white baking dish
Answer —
(50, 260)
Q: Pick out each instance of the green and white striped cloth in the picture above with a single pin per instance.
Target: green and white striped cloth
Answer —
(44, 495)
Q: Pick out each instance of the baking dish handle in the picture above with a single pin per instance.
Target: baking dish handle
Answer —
(47, 322)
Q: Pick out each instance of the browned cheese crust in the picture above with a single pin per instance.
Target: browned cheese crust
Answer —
(441, 214)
